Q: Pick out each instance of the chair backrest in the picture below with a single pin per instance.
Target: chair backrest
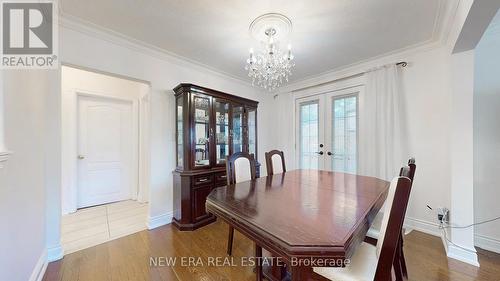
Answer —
(409, 171)
(275, 162)
(392, 224)
(240, 167)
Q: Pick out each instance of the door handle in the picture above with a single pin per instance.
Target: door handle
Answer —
(320, 152)
(81, 157)
(329, 153)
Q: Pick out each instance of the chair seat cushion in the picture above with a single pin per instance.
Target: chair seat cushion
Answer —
(362, 267)
(374, 231)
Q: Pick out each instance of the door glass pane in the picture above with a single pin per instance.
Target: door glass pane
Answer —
(344, 134)
(237, 129)
(252, 133)
(221, 131)
(201, 130)
(180, 133)
(309, 134)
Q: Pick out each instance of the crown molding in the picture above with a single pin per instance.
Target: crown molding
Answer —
(444, 20)
(99, 32)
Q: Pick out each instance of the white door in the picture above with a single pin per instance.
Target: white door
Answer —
(327, 130)
(105, 145)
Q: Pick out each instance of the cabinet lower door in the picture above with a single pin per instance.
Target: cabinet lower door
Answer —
(200, 195)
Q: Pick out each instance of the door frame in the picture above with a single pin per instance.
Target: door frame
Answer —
(323, 92)
(142, 122)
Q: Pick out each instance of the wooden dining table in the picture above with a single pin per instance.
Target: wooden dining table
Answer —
(304, 218)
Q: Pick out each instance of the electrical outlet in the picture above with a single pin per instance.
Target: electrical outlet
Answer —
(443, 214)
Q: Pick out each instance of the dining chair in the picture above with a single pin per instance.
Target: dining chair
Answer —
(372, 235)
(240, 167)
(406, 171)
(400, 263)
(275, 162)
(376, 262)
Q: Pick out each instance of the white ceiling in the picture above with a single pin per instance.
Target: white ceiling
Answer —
(327, 34)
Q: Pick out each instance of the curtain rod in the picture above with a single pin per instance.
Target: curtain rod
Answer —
(401, 63)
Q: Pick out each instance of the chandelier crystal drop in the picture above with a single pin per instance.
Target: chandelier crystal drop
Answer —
(270, 67)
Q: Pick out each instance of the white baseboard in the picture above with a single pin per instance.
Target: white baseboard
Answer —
(467, 256)
(487, 243)
(159, 220)
(40, 267)
(451, 250)
(54, 253)
(422, 226)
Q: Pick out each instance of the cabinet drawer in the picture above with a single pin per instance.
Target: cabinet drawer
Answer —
(220, 178)
(203, 180)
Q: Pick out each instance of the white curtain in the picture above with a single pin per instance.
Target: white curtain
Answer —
(381, 129)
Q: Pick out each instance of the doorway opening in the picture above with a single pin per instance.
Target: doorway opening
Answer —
(105, 145)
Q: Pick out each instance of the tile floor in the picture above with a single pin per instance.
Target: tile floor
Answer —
(95, 225)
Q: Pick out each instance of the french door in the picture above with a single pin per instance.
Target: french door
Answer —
(327, 131)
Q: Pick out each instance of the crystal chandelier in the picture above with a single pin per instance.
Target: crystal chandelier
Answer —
(270, 67)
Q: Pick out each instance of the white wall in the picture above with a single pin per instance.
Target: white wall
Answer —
(23, 179)
(487, 140)
(427, 101)
(90, 48)
(461, 158)
(427, 96)
(75, 80)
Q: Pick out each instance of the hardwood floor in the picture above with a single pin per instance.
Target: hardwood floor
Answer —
(128, 258)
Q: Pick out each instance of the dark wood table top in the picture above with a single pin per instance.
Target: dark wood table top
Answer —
(302, 212)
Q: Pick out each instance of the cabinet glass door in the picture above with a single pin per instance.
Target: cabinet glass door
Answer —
(180, 132)
(201, 130)
(238, 128)
(252, 131)
(221, 109)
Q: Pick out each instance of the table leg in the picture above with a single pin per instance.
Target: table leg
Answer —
(302, 273)
(258, 256)
(230, 241)
(271, 270)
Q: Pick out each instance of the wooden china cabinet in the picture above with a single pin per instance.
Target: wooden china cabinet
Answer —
(210, 125)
